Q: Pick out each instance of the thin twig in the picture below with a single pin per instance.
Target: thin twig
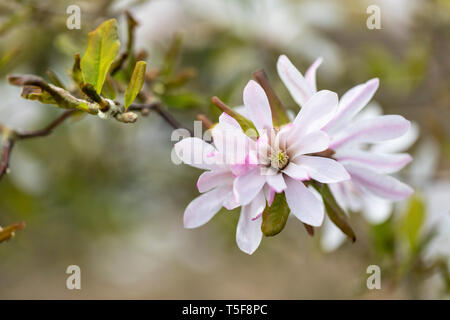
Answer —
(144, 108)
(11, 138)
(48, 129)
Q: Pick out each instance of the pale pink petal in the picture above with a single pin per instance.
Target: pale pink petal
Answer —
(399, 144)
(380, 185)
(257, 206)
(351, 103)
(294, 81)
(232, 143)
(331, 237)
(310, 74)
(248, 232)
(196, 152)
(315, 114)
(269, 194)
(315, 141)
(225, 118)
(211, 179)
(247, 186)
(229, 201)
(296, 172)
(373, 130)
(303, 203)
(376, 210)
(203, 208)
(322, 169)
(378, 162)
(257, 105)
(276, 182)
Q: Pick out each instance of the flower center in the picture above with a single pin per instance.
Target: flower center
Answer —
(279, 159)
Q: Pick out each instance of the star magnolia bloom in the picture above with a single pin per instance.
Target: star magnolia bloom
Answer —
(216, 184)
(282, 156)
(355, 140)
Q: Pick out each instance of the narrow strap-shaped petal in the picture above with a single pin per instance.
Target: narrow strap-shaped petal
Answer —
(315, 114)
(276, 182)
(294, 81)
(248, 232)
(296, 172)
(310, 74)
(203, 208)
(257, 105)
(315, 141)
(303, 203)
(247, 186)
(378, 162)
(211, 179)
(380, 185)
(331, 237)
(196, 153)
(372, 130)
(375, 209)
(322, 169)
(351, 103)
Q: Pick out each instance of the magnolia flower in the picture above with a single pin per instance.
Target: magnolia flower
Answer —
(281, 155)
(216, 183)
(242, 171)
(355, 142)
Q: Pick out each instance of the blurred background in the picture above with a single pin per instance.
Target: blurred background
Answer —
(105, 196)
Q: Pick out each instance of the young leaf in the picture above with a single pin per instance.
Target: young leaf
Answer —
(136, 83)
(102, 49)
(275, 216)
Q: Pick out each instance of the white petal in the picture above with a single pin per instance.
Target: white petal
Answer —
(303, 203)
(225, 118)
(294, 81)
(203, 208)
(375, 209)
(232, 143)
(315, 114)
(269, 194)
(377, 129)
(196, 152)
(315, 141)
(256, 207)
(257, 106)
(351, 103)
(323, 169)
(399, 144)
(296, 172)
(378, 162)
(276, 182)
(310, 74)
(332, 237)
(211, 179)
(247, 186)
(381, 185)
(248, 232)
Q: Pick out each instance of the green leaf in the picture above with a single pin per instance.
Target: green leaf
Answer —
(136, 83)
(413, 220)
(102, 49)
(109, 90)
(275, 216)
(335, 212)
